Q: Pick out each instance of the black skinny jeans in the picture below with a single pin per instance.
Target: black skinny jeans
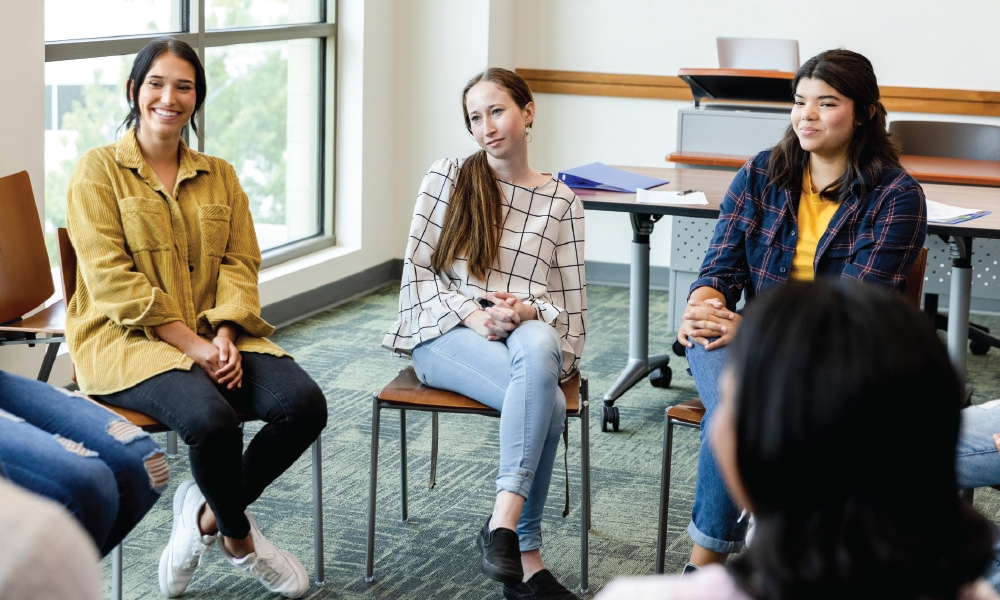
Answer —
(275, 390)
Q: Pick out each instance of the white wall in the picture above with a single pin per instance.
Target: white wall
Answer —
(919, 43)
(440, 45)
(22, 123)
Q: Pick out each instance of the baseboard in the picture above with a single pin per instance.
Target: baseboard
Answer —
(287, 311)
(617, 274)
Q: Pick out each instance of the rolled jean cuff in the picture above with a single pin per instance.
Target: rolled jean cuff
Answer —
(711, 543)
(515, 481)
(529, 541)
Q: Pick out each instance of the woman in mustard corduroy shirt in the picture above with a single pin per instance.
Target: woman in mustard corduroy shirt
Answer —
(166, 319)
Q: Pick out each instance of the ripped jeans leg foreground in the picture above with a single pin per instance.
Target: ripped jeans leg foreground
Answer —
(64, 446)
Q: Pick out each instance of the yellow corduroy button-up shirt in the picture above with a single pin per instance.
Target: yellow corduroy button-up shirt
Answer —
(148, 257)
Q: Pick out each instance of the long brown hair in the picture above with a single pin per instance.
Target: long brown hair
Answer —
(473, 221)
(852, 75)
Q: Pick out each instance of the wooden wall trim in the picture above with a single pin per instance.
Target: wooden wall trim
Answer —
(668, 87)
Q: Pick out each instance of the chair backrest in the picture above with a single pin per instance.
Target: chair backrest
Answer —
(944, 139)
(758, 53)
(67, 264)
(915, 278)
(25, 275)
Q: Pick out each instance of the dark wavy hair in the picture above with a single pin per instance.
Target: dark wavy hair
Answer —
(847, 417)
(472, 223)
(852, 75)
(144, 61)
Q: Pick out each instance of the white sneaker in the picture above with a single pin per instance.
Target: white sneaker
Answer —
(183, 552)
(277, 570)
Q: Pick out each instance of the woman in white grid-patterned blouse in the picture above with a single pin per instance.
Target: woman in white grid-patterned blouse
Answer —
(493, 305)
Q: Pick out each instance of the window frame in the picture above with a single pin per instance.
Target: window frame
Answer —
(192, 24)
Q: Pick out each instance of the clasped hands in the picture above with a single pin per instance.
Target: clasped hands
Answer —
(707, 322)
(219, 358)
(497, 321)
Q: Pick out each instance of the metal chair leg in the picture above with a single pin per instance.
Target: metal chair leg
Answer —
(317, 456)
(172, 444)
(403, 491)
(116, 572)
(661, 528)
(372, 484)
(50, 359)
(585, 490)
(434, 450)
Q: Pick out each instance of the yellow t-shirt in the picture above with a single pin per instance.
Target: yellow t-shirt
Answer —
(814, 216)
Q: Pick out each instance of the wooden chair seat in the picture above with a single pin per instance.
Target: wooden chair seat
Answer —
(689, 413)
(406, 392)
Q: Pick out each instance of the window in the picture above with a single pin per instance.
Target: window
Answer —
(269, 65)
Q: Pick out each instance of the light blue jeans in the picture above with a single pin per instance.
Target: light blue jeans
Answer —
(978, 460)
(519, 377)
(103, 469)
(715, 519)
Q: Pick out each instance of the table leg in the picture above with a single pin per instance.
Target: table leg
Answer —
(959, 301)
(639, 362)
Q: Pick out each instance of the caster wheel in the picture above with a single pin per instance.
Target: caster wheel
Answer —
(661, 377)
(978, 348)
(679, 348)
(609, 417)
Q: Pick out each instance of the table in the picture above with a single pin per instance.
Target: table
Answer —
(961, 237)
(925, 169)
(643, 217)
(714, 184)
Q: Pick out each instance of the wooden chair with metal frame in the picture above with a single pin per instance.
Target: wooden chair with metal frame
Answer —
(68, 264)
(25, 275)
(691, 412)
(406, 392)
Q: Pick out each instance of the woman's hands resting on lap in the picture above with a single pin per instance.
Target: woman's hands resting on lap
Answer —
(497, 321)
(219, 358)
(707, 317)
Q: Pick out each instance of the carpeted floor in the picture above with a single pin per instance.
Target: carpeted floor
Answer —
(433, 554)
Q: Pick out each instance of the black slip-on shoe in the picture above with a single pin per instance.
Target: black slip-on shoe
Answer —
(501, 554)
(541, 586)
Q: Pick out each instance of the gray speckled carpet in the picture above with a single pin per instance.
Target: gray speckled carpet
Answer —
(433, 554)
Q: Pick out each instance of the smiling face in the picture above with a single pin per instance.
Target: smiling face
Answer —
(166, 99)
(496, 121)
(823, 119)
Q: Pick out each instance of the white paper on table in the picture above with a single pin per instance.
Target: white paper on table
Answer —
(655, 197)
(946, 213)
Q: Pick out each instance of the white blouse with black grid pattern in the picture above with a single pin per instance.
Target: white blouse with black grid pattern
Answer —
(540, 261)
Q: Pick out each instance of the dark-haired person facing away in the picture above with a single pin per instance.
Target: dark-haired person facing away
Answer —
(824, 433)
(493, 305)
(166, 319)
(830, 200)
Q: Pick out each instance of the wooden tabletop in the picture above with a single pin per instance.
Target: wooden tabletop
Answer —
(929, 169)
(714, 184)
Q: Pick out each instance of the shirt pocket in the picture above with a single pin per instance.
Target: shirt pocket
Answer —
(214, 220)
(146, 224)
(759, 233)
(848, 244)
